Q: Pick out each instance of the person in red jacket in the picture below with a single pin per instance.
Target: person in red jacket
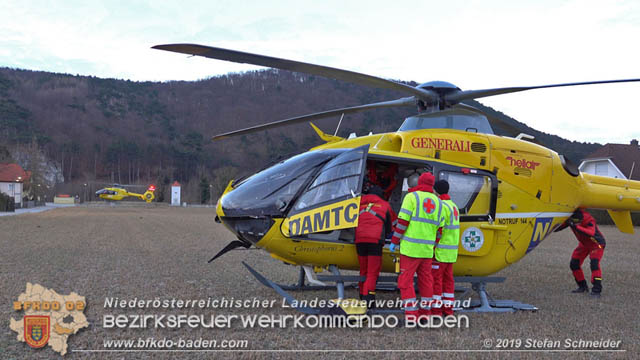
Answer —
(374, 226)
(591, 243)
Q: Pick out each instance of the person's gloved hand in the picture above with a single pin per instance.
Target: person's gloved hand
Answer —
(392, 247)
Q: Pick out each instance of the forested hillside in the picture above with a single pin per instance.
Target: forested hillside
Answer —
(106, 130)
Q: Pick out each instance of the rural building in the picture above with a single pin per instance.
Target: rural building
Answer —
(12, 179)
(175, 194)
(620, 161)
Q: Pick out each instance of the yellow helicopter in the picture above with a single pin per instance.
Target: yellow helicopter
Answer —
(118, 192)
(512, 193)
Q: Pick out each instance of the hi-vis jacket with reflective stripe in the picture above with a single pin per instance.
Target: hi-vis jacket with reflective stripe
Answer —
(423, 210)
(447, 248)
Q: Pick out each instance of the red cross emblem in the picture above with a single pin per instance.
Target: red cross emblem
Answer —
(429, 206)
(455, 212)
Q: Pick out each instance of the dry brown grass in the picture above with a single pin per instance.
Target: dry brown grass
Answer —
(162, 252)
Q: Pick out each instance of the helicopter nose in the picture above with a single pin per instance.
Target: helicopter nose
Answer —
(249, 209)
(248, 229)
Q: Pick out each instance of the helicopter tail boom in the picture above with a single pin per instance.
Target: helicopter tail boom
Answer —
(618, 196)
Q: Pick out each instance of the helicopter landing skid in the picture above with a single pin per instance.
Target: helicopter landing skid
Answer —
(478, 285)
(287, 297)
(307, 275)
(385, 283)
(339, 279)
(485, 303)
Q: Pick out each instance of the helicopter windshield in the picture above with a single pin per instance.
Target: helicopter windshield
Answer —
(270, 191)
(458, 119)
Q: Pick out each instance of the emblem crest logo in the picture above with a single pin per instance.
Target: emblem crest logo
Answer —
(429, 206)
(37, 329)
(472, 239)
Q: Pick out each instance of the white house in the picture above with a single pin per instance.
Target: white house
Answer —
(12, 179)
(620, 161)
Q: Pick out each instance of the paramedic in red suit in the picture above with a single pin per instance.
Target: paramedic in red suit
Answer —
(374, 226)
(591, 243)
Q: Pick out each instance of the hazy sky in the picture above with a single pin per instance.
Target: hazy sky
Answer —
(473, 44)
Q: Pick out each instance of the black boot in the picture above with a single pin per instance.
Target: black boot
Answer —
(371, 301)
(582, 287)
(597, 288)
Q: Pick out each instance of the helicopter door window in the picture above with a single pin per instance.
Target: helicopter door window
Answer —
(472, 193)
(339, 179)
(337, 182)
(344, 170)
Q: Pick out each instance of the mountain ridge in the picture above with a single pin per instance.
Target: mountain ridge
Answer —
(126, 131)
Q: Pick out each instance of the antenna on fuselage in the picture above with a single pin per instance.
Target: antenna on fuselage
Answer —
(525, 136)
(339, 122)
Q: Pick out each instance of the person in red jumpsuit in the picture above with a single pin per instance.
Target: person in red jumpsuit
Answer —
(374, 226)
(592, 244)
(385, 176)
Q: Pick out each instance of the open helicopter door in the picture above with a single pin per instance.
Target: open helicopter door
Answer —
(332, 200)
(475, 192)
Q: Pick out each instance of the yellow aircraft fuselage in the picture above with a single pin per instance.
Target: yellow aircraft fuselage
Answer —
(117, 194)
(524, 191)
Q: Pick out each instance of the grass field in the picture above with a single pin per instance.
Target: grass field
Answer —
(144, 253)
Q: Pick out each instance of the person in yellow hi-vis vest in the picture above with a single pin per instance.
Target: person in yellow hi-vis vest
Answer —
(418, 222)
(446, 253)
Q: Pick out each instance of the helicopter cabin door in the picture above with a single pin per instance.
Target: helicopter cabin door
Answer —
(475, 194)
(332, 200)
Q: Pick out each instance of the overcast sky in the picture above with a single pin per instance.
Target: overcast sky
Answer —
(473, 44)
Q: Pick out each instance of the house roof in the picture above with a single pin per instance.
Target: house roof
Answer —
(623, 156)
(13, 173)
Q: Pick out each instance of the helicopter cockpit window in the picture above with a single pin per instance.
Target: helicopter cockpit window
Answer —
(270, 191)
(472, 193)
(449, 119)
(339, 178)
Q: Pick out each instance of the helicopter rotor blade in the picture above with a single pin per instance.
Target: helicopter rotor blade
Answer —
(459, 96)
(407, 101)
(291, 65)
